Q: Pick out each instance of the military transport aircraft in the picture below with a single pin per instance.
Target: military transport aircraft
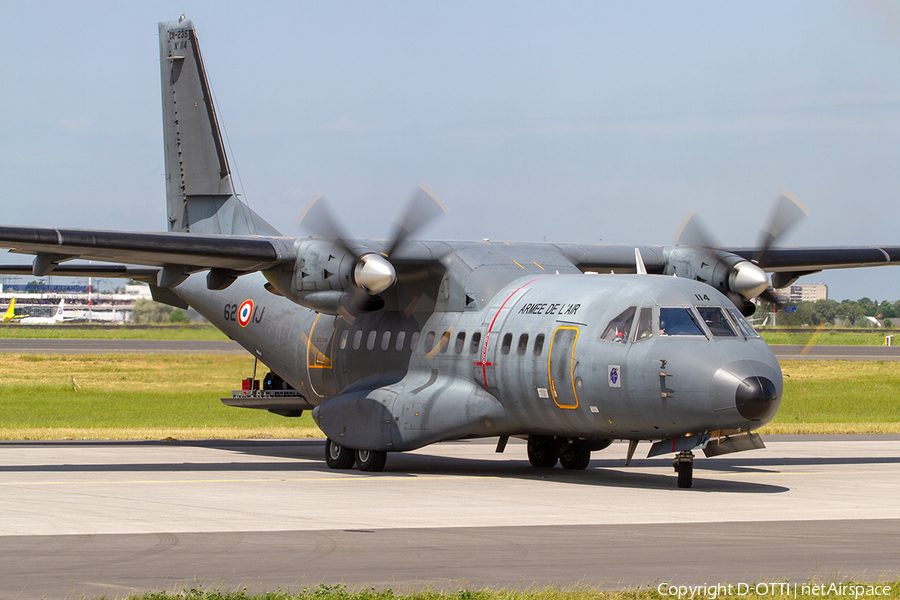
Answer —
(397, 344)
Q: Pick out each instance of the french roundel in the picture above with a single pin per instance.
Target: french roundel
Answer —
(245, 312)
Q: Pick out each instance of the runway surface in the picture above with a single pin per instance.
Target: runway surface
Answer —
(891, 353)
(111, 517)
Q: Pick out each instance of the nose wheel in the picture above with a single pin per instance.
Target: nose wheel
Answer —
(684, 466)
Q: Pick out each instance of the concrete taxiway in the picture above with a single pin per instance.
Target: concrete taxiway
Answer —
(111, 517)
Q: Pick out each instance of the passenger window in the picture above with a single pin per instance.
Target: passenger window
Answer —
(386, 340)
(538, 344)
(523, 344)
(414, 341)
(344, 335)
(445, 341)
(370, 341)
(460, 342)
(429, 341)
(619, 328)
(716, 321)
(475, 343)
(357, 338)
(644, 325)
(742, 323)
(678, 321)
(401, 337)
(507, 343)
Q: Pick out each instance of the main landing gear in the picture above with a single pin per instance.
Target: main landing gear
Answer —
(545, 452)
(684, 466)
(339, 457)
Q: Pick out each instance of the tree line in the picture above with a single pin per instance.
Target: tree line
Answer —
(847, 313)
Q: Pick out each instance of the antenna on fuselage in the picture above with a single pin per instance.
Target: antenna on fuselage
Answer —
(639, 262)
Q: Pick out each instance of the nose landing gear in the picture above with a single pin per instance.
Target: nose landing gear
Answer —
(683, 464)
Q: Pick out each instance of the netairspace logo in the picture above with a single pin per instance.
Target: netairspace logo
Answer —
(783, 589)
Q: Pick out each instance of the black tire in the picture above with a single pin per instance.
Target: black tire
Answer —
(542, 452)
(685, 474)
(370, 460)
(574, 457)
(338, 457)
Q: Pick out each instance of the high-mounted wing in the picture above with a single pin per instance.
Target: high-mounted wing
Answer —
(176, 253)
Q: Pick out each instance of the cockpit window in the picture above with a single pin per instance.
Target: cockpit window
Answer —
(742, 323)
(678, 321)
(716, 321)
(644, 325)
(619, 328)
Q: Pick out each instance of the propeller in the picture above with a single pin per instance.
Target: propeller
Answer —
(373, 272)
(747, 280)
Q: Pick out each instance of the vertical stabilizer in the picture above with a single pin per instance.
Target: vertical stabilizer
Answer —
(199, 192)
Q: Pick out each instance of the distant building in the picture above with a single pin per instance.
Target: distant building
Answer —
(802, 292)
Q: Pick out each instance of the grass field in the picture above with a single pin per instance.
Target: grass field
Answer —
(831, 590)
(132, 397)
(81, 332)
(157, 396)
(834, 337)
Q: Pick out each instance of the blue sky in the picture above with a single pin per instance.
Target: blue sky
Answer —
(574, 122)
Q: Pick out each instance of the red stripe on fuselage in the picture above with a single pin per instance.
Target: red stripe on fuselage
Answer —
(487, 336)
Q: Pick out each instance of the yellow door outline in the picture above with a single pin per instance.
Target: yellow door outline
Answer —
(315, 358)
(553, 392)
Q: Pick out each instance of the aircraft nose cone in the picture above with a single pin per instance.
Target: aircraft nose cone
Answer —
(756, 398)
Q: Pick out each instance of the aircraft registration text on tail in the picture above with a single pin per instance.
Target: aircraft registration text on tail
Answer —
(397, 344)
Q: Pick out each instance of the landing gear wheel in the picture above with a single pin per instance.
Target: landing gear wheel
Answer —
(684, 466)
(338, 457)
(370, 460)
(574, 457)
(542, 452)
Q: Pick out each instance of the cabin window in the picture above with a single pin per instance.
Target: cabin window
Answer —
(344, 335)
(429, 341)
(475, 343)
(678, 321)
(370, 341)
(460, 342)
(445, 341)
(716, 321)
(401, 337)
(538, 344)
(644, 325)
(618, 329)
(523, 344)
(386, 340)
(414, 341)
(507, 343)
(357, 338)
(742, 323)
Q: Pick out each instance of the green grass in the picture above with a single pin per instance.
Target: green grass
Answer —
(121, 332)
(833, 337)
(132, 397)
(832, 590)
(839, 396)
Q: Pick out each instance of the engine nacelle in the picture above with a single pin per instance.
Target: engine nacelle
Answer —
(732, 275)
(326, 276)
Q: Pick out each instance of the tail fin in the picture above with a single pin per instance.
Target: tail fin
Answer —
(10, 312)
(200, 196)
(58, 315)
